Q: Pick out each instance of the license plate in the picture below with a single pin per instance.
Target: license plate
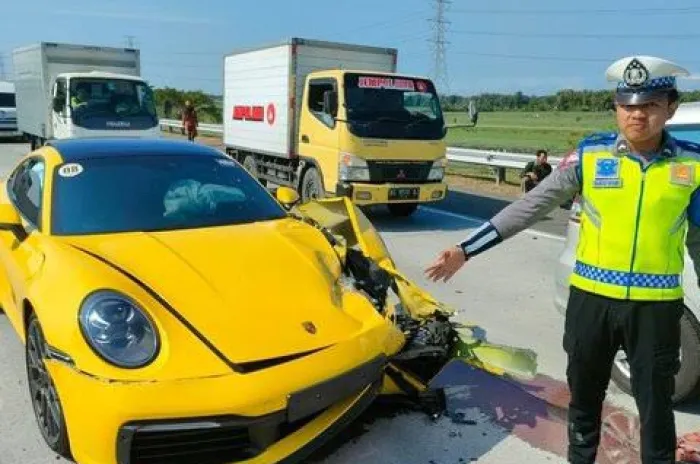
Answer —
(306, 402)
(404, 193)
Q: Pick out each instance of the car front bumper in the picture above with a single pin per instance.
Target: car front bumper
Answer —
(277, 414)
(367, 194)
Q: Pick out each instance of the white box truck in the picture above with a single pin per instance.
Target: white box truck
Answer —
(8, 110)
(325, 117)
(75, 91)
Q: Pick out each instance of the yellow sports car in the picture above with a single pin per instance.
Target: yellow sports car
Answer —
(174, 311)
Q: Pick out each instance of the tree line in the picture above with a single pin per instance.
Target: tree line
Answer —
(564, 100)
(170, 102)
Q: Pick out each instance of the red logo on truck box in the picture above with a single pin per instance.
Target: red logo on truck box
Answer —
(255, 113)
(271, 114)
(248, 113)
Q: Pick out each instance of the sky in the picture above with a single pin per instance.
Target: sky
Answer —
(536, 46)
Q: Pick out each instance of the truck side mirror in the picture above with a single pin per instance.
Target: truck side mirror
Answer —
(330, 102)
(58, 104)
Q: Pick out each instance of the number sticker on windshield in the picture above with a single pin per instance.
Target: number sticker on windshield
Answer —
(70, 170)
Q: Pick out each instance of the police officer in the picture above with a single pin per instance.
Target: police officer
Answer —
(640, 206)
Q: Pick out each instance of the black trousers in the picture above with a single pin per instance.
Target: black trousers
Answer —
(649, 332)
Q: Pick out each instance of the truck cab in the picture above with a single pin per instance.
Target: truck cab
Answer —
(374, 137)
(102, 104)
(8, 110)
(75, 91)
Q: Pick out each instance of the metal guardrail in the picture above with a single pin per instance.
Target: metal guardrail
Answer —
(172, 124)
(498, 161)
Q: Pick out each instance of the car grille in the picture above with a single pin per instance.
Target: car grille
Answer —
(206, 446)
(399, 172)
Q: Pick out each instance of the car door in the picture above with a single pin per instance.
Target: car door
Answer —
(19, 251)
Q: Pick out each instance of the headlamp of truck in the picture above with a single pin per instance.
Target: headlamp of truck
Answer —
(353, 168)
(437, 172)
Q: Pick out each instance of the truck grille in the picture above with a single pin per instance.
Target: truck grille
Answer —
(399, 172)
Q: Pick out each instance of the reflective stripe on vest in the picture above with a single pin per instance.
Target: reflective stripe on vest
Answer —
(633, 223)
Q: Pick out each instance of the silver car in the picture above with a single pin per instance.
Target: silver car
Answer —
(684, 125)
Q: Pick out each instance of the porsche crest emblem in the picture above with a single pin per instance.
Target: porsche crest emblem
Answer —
(309, 327)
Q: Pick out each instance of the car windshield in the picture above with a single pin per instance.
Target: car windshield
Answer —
(104, 104)
(155, 193)
(7, 100)
(392, 107)
(689, 132)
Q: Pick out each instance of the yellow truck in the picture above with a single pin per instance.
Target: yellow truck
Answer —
(329, 118)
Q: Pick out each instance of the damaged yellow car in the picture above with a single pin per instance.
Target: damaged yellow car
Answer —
(174, 311)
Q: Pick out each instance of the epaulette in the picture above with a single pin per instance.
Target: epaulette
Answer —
(597, 139)
(686, 145)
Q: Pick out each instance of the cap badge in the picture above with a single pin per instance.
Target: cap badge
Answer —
(635, 74)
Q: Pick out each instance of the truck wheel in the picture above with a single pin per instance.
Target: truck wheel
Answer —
(402, 209)
(252, 167)
(689, 372)
(36, 143)
(311, 185)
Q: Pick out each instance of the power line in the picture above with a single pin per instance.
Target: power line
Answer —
(523, 35)
(439, 56)
(595, 11)
(549, 58)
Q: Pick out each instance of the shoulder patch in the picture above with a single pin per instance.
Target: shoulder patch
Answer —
(598, 139)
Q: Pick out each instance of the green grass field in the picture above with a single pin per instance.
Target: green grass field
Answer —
(558, 132)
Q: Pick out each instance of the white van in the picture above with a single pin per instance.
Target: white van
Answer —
(684, 125)
(8, 110)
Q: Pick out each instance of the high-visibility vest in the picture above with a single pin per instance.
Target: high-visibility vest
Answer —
(634, 219)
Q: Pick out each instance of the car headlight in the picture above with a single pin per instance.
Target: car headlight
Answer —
(437, 171)
(118, 330)
(353, 168)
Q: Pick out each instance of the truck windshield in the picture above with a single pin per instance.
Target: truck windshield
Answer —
(392, 107)
(7, 100)
(112, 104)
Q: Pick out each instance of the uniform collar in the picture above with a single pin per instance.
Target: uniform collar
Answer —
(668, 146)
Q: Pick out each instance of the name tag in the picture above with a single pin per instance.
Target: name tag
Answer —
(682, 174)
(607, 173)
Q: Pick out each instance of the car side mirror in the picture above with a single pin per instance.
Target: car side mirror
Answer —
(330, 102)
(9, 217)
(288, 197)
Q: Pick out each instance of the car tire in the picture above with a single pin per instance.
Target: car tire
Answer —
(402, 209)
(311, 185)
(689, 373)
(42, 391)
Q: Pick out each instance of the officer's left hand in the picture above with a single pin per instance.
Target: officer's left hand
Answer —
(447, 264)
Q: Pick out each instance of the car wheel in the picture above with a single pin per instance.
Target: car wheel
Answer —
(311, 185)
(44, 397)
(402, 209)
(689, 372)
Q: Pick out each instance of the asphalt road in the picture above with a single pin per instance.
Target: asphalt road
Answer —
(508, 292)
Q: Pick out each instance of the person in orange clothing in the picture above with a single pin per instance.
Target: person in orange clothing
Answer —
(189, 121)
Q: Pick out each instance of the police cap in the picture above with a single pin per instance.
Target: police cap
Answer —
(641, 79)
